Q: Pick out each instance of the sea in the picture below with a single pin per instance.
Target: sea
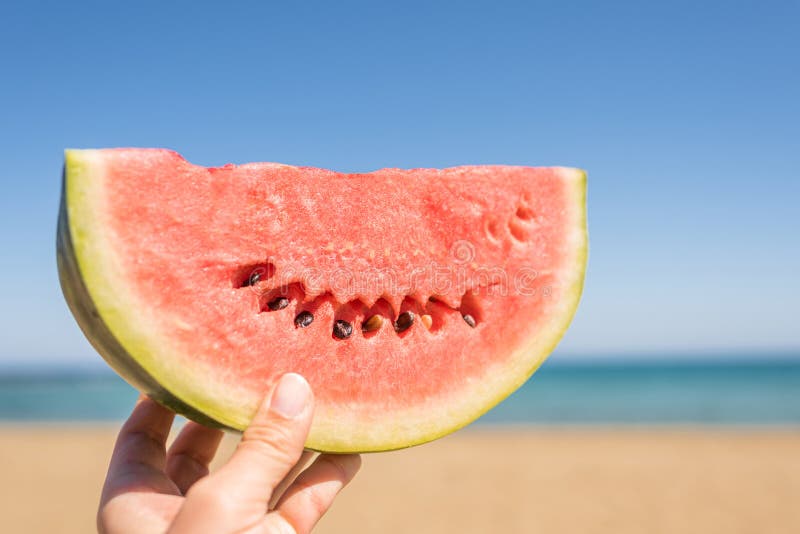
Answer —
(662, 391)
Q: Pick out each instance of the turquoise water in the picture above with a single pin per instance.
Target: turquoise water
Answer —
(747, 393)
(712, 393)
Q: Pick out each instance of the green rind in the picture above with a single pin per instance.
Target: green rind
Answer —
(125, 338)
(95, 324)
(96, 330)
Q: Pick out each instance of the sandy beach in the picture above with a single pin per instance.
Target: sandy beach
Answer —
(580, 480)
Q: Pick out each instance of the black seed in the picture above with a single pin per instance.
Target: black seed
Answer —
(404, 322)
(342, 329)
(303, 319)
(278, 303)
(254, 278)
(470, 320)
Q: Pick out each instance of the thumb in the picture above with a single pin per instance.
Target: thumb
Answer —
(271, 445)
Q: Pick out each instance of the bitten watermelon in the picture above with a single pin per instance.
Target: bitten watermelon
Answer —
(412, 300)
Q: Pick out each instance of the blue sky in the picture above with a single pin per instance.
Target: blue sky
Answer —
(687, 118)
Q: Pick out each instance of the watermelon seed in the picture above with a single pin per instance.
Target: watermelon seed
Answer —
(470, 320)
(254, 274)
(303, 319)
(404, 322)
(426, 320)
(278, 303)
(342, 329)
(372, 324)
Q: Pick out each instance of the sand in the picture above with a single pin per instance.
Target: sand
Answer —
(547, 480)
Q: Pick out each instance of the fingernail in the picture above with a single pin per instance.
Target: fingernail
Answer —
(290, 396)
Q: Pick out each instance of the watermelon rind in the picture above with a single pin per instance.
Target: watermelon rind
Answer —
(98, 333)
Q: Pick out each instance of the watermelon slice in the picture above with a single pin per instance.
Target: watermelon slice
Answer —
(412, 300)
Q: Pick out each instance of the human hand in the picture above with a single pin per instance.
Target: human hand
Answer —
(149, 489)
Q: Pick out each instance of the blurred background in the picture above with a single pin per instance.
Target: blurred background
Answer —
(673, 403)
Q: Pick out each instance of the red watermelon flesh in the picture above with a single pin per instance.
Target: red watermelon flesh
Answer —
(196, 284)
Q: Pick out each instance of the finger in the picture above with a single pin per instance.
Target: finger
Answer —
(142, 439)
(311, 495)
(301, 464)
(191, 452)
(137, 462)
(270, 446)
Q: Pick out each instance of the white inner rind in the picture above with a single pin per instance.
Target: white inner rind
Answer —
(335, 427)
